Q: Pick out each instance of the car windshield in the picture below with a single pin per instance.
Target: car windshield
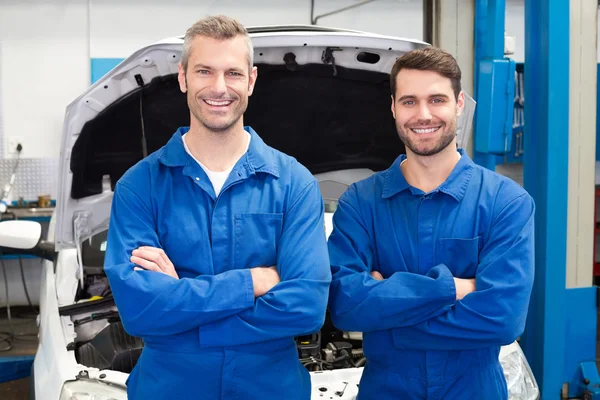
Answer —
(93, 250)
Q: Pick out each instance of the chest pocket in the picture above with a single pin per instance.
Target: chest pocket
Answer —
(461, 256)
(256, 239)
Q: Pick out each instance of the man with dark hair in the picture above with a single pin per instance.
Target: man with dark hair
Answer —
(216, 251)
(433, 258)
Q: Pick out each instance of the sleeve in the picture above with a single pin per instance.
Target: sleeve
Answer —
(152, 303)
(495, 314)
(297, 305)
(357, 301)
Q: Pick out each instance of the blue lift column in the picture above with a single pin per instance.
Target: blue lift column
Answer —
(494, 85)
(546, 179)
(559, 345)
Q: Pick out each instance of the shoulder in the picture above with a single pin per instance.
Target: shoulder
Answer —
(290, 170)
(143, 173)
(501, 190)
(364, 196)
(367, 190)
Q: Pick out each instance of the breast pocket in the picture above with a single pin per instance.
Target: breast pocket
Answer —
(460, 255)
(256, 239)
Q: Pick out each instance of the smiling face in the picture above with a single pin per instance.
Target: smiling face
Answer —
(218, 82)
(426, 110)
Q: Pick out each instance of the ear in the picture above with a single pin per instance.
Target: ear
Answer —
(181, 78)
(460, 103)
(252, 80)
(393, 108)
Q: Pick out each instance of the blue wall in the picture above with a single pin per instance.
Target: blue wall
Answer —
(100, 66)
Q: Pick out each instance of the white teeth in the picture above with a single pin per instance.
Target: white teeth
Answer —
(218, 103)
(428, 130)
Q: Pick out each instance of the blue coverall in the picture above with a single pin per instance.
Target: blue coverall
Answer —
(420, 343)
(205, 335)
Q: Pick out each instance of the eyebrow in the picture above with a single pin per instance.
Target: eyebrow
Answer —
(412, 97)
(406, 97)
(201, 66)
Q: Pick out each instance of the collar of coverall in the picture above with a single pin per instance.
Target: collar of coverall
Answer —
(258, 158)
(455, 185)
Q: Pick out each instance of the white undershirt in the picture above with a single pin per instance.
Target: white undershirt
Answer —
(216, 178)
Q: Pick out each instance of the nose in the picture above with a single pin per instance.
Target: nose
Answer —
(423, 113)
(219, 85)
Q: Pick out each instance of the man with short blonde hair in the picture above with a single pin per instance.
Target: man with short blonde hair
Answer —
(219, 27)
(216, 250)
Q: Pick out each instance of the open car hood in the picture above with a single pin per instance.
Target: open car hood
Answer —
(322, 96)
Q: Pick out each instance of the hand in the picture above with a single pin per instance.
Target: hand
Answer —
(153, 259)
(463, 287)
(376, 275)
(264, 279)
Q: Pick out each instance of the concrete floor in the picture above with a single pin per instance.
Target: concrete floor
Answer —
(15, 390)
(23, 322)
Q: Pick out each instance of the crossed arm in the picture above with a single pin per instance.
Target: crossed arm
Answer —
(422, 309)
(155, 259)
(463, 286)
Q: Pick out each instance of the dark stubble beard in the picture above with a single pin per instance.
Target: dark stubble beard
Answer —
(197, 114)
(443, 142)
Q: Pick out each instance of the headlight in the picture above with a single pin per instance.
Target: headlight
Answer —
(91, 390)
(519, 378)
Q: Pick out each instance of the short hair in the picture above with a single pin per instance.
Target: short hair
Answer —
(219, 27)
(428, 59)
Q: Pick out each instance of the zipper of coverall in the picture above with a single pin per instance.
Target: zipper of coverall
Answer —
(224, 189)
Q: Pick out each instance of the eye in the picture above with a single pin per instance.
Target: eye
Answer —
(233, 73)
(203, 71)
(437, 101)
(408, 103)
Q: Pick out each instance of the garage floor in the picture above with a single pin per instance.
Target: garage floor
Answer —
(25, 343)
(15, 390)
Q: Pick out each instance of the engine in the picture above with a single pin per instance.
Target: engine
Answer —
(330, 349)
(111, 348)
(100, 339)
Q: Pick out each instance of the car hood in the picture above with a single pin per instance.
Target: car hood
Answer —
(322, 96)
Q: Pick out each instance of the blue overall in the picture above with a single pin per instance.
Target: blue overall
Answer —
(205, 335)
(420, 343)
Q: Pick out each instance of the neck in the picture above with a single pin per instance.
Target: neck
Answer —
(429, 172)
(218, 151)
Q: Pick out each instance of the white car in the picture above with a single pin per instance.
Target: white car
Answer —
(322, 96)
